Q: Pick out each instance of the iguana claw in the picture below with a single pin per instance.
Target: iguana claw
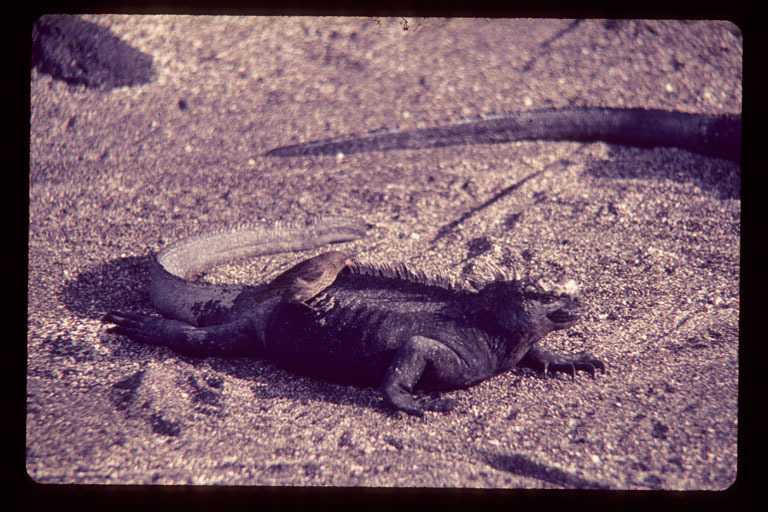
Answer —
(539, 359)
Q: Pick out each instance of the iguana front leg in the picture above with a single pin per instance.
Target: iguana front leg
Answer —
(413, 357)
(542, 360)
(239, 338)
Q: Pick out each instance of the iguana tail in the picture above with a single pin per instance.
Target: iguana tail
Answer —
(204, 304)
(712, 135)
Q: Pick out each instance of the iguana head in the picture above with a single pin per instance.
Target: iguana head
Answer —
(536, 307)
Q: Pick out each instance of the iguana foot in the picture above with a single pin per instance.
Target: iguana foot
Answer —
(143, 328)
(437, 404)
(544, 361)
(417, 406)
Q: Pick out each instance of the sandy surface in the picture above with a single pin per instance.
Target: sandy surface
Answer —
(653, 235)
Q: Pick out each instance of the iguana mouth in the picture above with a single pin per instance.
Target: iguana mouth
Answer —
(562, 317)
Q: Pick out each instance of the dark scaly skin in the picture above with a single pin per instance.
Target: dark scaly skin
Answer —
(716, 136)
(200, 304)
(381, 326)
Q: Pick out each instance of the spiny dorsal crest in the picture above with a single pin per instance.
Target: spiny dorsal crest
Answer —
(401, 272)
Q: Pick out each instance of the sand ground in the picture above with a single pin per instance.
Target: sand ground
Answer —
(653, 235)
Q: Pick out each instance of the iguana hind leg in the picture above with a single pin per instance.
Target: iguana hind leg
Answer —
(238, 338)
(409, 364)
(542, 360)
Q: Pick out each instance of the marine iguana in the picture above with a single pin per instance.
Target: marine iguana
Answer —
(710, 135)
(374, 325)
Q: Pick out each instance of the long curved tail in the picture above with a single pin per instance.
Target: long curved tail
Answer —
(199, 303)
(711, 135)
